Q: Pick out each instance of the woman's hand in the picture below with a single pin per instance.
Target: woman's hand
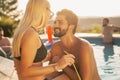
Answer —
(66, 60)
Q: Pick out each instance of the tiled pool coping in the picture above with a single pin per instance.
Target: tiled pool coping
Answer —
(88, 35)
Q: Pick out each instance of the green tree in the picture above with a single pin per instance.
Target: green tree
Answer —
(8, 25)
(96, 28)
(9, 16)
(9, 8)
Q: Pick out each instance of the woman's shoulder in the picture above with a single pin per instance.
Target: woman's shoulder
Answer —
(30, 36)
(30, 33)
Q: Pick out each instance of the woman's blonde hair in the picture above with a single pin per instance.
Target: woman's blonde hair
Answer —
(35, 15)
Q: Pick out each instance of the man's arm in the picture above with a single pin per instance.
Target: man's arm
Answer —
(86, 61)
(115, 28)
(71, 73)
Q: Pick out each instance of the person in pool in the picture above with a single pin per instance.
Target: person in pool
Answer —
(108, 31)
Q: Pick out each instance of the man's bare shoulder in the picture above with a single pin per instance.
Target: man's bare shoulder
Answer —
(84, 41)
(56, 49)
(84, 45)
(85, 48)
(5, 40)
(57, 43)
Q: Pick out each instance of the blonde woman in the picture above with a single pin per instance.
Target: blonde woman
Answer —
(28, 50)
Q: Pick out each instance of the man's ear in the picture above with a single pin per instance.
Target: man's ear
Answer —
(71, 26)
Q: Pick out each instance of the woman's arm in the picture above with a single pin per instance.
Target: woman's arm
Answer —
(29, 45)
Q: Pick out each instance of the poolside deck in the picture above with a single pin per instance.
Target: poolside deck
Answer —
(7, 71)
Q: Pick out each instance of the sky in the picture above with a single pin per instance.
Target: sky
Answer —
(100, 8)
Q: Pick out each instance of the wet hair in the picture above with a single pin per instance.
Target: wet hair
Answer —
(70, 16)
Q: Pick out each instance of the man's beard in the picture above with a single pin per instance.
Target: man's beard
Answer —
(104, 25)
(58, 32)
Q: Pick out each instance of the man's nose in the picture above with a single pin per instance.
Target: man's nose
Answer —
(56, 24)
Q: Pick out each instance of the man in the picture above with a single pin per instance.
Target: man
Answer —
(108, 31)
(5, 45)
(64, 27)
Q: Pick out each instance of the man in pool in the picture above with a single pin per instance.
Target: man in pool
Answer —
(108, 31)
(64, 27)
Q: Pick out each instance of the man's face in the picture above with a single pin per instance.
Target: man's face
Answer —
(60, 26)
(105, 22)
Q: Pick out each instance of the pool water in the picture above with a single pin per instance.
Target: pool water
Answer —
(107, 58)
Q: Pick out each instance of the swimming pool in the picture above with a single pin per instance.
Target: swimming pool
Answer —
(107, 57)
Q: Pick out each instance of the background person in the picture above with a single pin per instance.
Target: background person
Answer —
(108, 31)
(28, 50)
(5, 44)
